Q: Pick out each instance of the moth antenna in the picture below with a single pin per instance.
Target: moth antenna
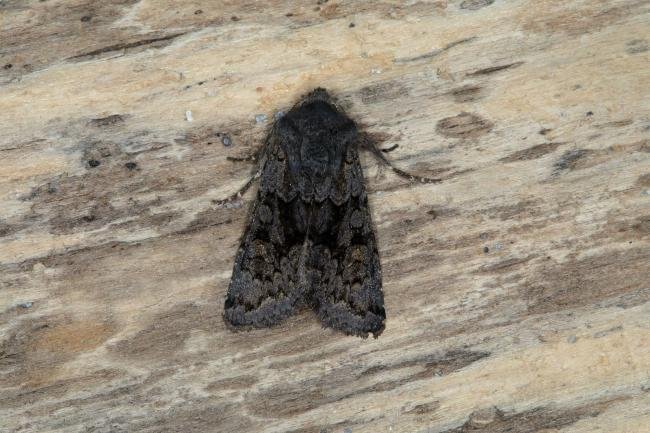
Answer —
(379, 154)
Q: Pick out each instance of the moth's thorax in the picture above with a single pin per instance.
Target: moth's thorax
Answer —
(316, 156)
(315, 137)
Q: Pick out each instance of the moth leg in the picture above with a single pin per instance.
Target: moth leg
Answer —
(379, 154)
(248, 158)
(390, 149)
(255, 156)
(258, 155)
(238, 195)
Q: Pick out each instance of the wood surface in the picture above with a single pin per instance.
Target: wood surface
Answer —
(517, 290)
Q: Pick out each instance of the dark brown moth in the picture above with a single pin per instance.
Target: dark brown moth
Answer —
(310, 241)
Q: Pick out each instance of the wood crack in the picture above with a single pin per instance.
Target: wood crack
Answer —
(127, 46)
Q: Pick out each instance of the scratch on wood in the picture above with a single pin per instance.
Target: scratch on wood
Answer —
(434, 363)
(493, 69)
(473, 5)
(126, 46)
(113, 119)
(616, 124)
(494, 420)
(434, 53)
(505, 265)
(569, 159)
(467, 93)
(533, 152)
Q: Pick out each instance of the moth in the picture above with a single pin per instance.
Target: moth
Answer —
(310, 242)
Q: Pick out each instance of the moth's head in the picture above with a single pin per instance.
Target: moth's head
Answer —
(315, 134)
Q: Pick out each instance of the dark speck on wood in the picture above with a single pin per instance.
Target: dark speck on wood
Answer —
(533, 152)
(111, 120)
(467, 93)
(569, 159)
(463, 125)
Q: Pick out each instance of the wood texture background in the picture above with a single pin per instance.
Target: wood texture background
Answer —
(517, 291)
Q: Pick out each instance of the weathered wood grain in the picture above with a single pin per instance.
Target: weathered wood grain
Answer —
(517, 291)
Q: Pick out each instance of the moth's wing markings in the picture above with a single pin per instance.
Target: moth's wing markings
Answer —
(349, 297)
(264, 288)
